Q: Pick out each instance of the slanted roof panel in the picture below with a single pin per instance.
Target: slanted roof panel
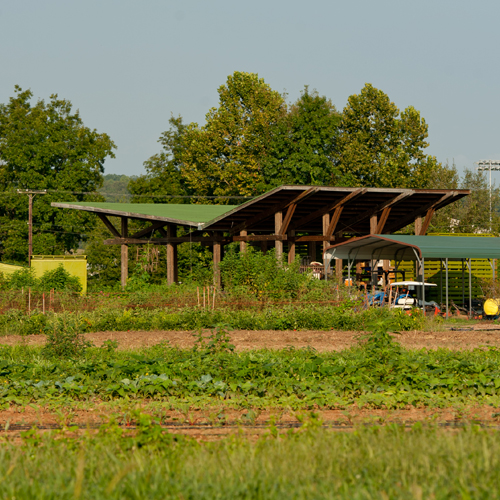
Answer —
(430, 247)
(191, 215)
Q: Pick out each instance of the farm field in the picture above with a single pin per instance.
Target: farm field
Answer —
(222, 415)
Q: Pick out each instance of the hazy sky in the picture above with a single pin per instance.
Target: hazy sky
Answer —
(127, 65)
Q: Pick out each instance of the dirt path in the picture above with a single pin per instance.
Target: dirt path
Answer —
(485, 334)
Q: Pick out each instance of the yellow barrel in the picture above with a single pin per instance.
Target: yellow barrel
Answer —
(491, 307)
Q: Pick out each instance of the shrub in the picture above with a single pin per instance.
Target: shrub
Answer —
(59, 279)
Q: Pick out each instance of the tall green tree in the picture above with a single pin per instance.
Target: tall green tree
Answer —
(46, 146)
(379, 147)
(225, 156)
(303, 147)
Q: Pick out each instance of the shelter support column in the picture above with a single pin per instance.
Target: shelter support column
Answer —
(326, 223)
(311, 248)
(326, 244)
(124, 253)
(418, 226)
(217, 255)
(278, 221)
(291, 248)
(243, 244)
(172, 272)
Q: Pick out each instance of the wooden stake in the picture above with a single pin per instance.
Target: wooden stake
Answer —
(198, 295)
(213, 303)
(29, 301)
(204, 297)
(43, 302)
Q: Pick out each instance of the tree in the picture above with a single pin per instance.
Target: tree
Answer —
(225, 156)
(378, 147)
(303, 148)
(46, 146)
(163, 181)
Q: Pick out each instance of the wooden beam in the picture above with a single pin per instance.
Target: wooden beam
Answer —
(328, 208)
(271, 211)
(111, 228)
(376, 209)
(373, 224)
(288, 218)
(383, 220)
(411, 216)
(335, 220)
(261, 237)
(165, 240)
(427, 221)
(155, 226)
(124, 253)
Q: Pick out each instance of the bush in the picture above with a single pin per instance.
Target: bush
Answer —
(264, 276)
(59, 279)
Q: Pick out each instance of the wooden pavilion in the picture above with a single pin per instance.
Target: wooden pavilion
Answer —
(288, 215)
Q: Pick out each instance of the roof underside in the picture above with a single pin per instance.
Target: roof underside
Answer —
(258, 214)
(403, 247)
(413, 202)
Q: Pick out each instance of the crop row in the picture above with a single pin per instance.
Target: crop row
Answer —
(350, 316)
(375, 372)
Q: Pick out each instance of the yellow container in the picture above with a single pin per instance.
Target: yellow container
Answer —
(76, 265)
(491, 307)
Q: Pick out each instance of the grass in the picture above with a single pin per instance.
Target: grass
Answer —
(378, 462)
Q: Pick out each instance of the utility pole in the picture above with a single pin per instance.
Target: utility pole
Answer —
(490, 165)
(31, 194)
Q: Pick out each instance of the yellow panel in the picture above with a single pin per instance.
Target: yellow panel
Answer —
(9, 269)
(76, 265)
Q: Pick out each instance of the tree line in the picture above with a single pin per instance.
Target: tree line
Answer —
(253, 141)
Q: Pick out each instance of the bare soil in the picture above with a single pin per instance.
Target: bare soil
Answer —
(479, 335)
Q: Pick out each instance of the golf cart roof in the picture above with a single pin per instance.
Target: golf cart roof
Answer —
(411, 283)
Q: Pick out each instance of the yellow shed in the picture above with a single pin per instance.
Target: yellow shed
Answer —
(76, 265)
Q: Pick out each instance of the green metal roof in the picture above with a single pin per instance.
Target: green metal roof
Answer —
(189, 215)
(403, 247)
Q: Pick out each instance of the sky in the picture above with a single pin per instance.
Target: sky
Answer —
(129, 65)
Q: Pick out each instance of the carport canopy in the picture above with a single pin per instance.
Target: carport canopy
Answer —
(419, 248)
(409, 247)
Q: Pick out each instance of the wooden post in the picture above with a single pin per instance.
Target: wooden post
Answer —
(171, 255)
(291, 248)
(338, 268)
(124, 254)
(263, 247)
(418, 226)
(217, 259)
(243, 244)
(373, 224)
(278, 220)
(311, 247)
(326, 223)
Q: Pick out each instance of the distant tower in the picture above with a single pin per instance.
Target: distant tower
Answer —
(491, 165)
